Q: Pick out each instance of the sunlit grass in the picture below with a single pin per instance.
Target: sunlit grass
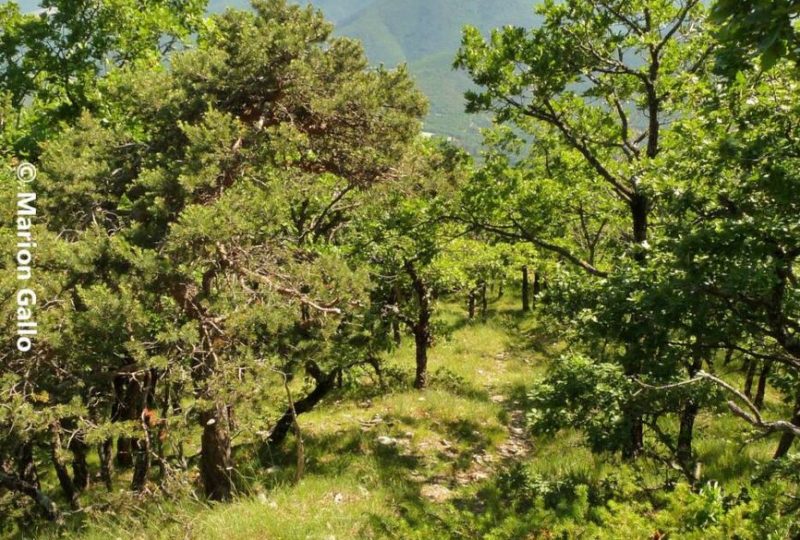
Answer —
(371, 450)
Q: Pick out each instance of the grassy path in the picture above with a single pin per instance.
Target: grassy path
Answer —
(371, 453)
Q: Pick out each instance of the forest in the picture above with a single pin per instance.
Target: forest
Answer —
(245, 294)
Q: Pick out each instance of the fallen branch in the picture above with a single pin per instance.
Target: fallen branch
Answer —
(753, 417)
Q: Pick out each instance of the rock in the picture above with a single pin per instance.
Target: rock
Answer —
(387, 441)
(436, 493)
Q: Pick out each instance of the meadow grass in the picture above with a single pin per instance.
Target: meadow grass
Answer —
(372, 452)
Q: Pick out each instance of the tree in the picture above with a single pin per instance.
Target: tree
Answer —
(734, 231)
(602, 80)
(406, 240)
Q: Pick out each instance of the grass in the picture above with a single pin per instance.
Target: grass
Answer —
(446, 443)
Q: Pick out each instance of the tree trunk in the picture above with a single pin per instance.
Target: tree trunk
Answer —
(422, 326)
(526, 298)
(484, 300)
(761, 391)
(537, 284)
(395, 298)
(421, 340)
(215, 458)
(471, 304)
(324, 385)
(639, 207)
(106, 451)
(787, 438)
(26, 466)
(142, 452)
(728, 357)
(57, 451)
(750, 366)
(684, 452)
(124, 408)
(80, 467)
(142, 446)
(635, 444)
(398, 338)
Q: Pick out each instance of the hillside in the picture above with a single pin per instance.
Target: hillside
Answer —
(427, 34)
(335, 10)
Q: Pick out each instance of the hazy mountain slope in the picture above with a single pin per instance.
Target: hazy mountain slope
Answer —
(428, 27)
(335, 10)
(427, 34)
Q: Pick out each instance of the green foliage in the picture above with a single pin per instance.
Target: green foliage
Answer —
(52, 59)
(580, 393)
(756, 29)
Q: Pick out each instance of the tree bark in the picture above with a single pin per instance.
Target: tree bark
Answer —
(64, 479)
(471, 304)
(537, 284)
(639, 206)
(750, 364)
(684, 452)
(526, 298)
(422, 326)
(215, 459)
(787, 438)
(26, 466)
(106, 451)
(80, 467)
(142, 446)
(126, 392)
(635, 444)
(484, 300)
(142, 460)
(421, 340)
(728, 357)
(325, 383)
(395, 323)
(761, 390)
(398, 338)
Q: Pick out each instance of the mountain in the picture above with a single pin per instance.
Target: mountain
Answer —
(426, 34)
(335, 10)
(423, 33)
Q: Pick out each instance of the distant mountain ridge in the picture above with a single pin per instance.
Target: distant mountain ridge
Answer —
(424, 33)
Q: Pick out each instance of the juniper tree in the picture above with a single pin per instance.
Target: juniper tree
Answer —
(202, 220)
